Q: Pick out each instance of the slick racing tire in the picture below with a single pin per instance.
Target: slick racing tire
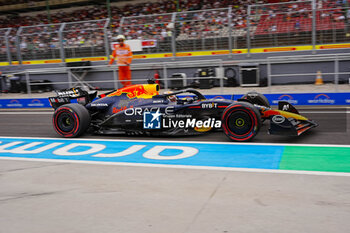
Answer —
(71, 120)
(241, 121)
(256, 98)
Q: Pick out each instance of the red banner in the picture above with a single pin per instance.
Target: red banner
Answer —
(149, 43)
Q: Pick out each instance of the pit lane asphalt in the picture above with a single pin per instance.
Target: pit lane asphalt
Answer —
(41, 197)
(334, 128)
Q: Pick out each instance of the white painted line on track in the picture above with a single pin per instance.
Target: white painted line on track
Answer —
(184, 142)
(253, 170)
(25, 113)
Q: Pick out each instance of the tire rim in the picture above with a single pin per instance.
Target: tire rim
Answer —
(240, 123)
(65, 122)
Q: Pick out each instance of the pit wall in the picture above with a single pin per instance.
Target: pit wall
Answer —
(315, 99)
(229, 61)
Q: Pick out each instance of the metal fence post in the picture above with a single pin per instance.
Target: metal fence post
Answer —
(336, 73)
(173, 36)
(248, 30)
(29, 90)
(165, 75)
(313, 3)
(69, 78)
(115, 77)
(221, 73)
(8, 51)
(18, 45)
(106, 38)
(269, 74)
(230, 31)
(60, 36)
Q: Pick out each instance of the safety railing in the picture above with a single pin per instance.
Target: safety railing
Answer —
(281, 70)
(333, 74)
(73, 79)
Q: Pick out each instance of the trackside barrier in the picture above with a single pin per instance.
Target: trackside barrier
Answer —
(295, 99)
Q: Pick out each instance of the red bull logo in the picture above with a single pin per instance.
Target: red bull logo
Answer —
(146, 91)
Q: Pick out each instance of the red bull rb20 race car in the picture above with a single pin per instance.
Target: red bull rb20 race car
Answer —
(141, 110)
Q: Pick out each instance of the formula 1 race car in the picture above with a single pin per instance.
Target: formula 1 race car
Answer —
(141, 110)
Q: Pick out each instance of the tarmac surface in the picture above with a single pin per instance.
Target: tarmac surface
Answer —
(334, 127)
(37, 197)
(41, 197)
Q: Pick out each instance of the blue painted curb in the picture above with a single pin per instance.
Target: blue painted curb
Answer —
(145, 152)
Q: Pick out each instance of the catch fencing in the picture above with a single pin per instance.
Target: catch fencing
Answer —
(309, 22)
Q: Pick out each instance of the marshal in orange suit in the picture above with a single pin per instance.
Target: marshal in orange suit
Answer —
(122, 53)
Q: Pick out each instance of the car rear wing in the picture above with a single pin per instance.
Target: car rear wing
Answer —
(66, 95)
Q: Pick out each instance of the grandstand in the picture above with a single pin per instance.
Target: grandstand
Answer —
(86, 30)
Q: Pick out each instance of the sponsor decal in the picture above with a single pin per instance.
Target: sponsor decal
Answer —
(69, 93)
(144, 44)
(280, 49)
(127, 152)
(347, 101)
(36, 103)
(278, 119)
(59, 100)
(94, 151)
(219, 97)
(145, 91)
(321, 99)
(285, 107)
(14, 103)
(152, 120)
(158, 101)
(116, 110)
(99, 105)
(140, 111)
(149, 43)
(209, 105)
(287, 98)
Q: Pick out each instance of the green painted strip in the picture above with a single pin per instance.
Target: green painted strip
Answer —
(328, 159)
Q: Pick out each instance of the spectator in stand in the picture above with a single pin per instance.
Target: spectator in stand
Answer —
(297, 25)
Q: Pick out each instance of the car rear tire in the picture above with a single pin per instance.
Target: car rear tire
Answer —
(257, 98)
(241, 121)
(71, 120)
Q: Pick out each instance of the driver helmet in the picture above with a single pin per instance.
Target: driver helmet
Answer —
(171, 98)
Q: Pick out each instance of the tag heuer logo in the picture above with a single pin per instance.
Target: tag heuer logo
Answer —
(151, 120)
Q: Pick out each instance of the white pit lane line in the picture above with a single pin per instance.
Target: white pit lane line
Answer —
(26, 113)
(232, 169)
